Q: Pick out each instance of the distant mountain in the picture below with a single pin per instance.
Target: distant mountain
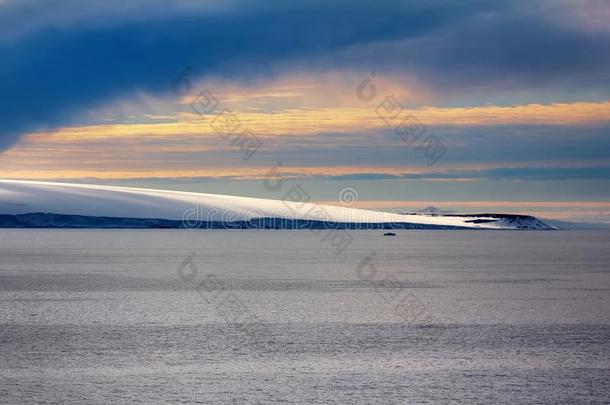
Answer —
(435, 211)
(25, 204)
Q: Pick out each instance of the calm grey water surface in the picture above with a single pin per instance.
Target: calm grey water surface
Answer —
(105, 316)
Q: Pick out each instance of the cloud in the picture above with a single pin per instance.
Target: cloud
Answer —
(52, 75)
(523, 173)
(62, 58)
(306, 142)
(292, 122)
(588, 15)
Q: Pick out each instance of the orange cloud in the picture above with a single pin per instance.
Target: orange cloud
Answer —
(311, 121)
(107, 169)
(160, 149)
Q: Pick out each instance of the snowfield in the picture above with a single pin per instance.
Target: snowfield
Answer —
(18, 198)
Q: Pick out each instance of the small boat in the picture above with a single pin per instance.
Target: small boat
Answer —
(389, 234)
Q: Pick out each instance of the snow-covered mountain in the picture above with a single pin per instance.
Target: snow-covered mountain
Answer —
(46, 204)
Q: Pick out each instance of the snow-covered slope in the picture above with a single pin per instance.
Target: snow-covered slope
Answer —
(24, 197)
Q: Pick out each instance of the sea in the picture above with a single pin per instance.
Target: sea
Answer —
(316, 317)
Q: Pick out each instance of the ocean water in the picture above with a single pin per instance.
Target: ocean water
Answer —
(216, 317)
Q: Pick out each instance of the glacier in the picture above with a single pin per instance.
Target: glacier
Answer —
(38, 204)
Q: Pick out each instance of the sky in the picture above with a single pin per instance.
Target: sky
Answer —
(469, 105)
